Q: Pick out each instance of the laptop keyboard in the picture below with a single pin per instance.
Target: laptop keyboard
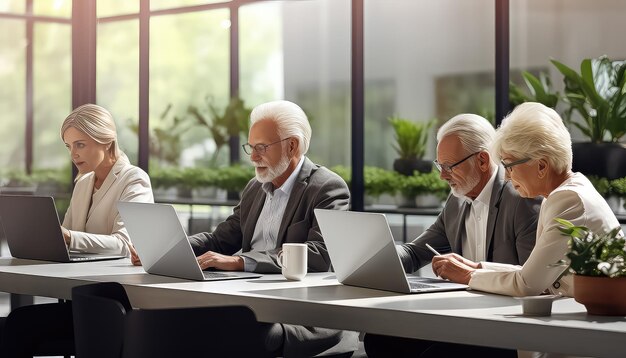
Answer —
(211, 274)
(419, 285)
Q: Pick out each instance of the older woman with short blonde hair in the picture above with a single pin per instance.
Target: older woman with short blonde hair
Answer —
(536, 149)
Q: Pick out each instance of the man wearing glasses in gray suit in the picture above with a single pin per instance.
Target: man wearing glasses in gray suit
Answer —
(484, 219)
(276, 207)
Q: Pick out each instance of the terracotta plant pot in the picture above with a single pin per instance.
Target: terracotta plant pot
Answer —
(601, 295)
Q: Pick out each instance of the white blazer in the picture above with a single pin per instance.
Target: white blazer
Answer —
(575, 200)
(92, 218)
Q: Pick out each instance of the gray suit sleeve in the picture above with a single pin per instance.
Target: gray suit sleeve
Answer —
(415, 255)
(227, 236)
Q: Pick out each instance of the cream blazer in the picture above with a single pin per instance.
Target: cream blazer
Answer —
(575, 200)
(92, 218)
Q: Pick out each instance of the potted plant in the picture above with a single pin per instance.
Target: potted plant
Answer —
(598, 96)
(618, 191)
(540, 89)
(599, 267)
(379, 181)
(411, 140)
(224, 125)
(422, 190)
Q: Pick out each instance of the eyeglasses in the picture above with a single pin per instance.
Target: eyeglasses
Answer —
(448, 168)
(509, 166)
(259, 148)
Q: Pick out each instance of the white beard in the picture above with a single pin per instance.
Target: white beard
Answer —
(271, 172)
(461, 191)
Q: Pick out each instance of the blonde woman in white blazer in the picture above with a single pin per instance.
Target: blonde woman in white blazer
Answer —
(536, 150)
(92, 223)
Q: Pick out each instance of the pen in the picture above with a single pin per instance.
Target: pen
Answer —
(433, 250)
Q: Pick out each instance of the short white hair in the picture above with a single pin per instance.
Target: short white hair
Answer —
(535, 131)
(290, 120)
(475, 133)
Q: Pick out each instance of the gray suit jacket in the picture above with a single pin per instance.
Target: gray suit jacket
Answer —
(511, 228)
(315, 187)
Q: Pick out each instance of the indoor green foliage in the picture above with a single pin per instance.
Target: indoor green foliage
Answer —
(540, 91)
(411, 137)
(598, 94)
(592, 254)
(233, 178)
(165, 140)
(379, 181)
(420, 183)
(231, 122)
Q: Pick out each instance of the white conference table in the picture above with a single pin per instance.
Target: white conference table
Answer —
(319, 300)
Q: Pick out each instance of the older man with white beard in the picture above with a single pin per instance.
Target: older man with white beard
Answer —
(276, 207)
(484, 218)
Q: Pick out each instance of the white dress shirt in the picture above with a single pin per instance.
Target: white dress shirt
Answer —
(268, 224)
(475, 240)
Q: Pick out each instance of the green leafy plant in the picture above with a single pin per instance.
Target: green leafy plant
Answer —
(165, 139)
(420, 183)
(233, 178)
(411, 137)
(198, 177)
(223, 124)
(165, 177)
(379, 181)
(598, 94)
(592, 254)
(540, 90)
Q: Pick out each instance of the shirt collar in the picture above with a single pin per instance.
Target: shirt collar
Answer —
(485, 195)
(268, 187)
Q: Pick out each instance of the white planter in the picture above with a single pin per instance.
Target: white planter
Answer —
(165, 193)
(427, 201)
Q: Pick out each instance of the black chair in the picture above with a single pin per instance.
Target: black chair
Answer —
(106, 325)
(38, 330)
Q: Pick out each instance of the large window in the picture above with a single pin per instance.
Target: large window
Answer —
(117, 79)
(13, 95)
(425, 60)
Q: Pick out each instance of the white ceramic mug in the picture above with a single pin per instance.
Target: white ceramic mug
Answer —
(293, 261)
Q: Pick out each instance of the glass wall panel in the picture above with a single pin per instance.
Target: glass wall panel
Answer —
(13, 6)
(52, 96)
(567, 31)
(12, 97)
(425, 62)
(316, 58)
(168, 4)
(60, 8)
(116, 7)
(189, 67)
(117, 83)
(261, 76)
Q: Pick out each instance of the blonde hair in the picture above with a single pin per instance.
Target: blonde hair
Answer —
(535, 131)
(289, 118)
(97, 123)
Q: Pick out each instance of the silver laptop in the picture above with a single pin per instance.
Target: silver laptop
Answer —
(363, 254)
(162, 244)
(31, 226)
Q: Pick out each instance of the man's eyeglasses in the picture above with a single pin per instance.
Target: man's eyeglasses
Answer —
(259, 148)
(448, 168)
(509, 166)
